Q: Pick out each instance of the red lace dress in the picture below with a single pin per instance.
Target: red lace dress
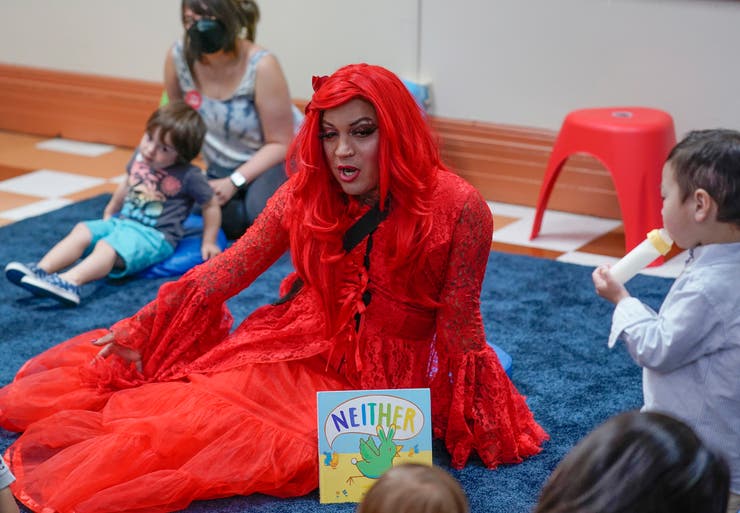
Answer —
(216, 413)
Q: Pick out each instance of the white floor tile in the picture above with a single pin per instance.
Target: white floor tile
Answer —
(508, 210)
(75, 147)
(46, 183)
(560, 231)
(34, 209)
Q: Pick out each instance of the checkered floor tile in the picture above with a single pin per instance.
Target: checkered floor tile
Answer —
(38, 175)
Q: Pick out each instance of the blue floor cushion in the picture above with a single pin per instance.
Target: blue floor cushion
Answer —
(504, 358)
(187, 252)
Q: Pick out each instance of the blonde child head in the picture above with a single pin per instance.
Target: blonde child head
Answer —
(415, 488)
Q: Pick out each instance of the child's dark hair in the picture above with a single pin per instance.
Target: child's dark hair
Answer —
(184, 126)
(638, 463)
(710, 160)
(414, 488)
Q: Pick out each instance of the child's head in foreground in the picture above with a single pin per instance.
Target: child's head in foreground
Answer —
(174, 133)
(638, 462)
(415, 488)
(701, 187)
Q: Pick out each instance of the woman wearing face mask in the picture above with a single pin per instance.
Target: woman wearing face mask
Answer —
(389, 248)
(240, 91)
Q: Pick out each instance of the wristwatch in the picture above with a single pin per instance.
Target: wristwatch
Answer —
(237, 179)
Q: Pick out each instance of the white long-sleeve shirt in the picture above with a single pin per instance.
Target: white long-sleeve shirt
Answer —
(6, 476)
(690, 350)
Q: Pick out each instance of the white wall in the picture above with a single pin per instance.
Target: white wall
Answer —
(106, 37)
(528, 62)
(315, 37)
(519, 62)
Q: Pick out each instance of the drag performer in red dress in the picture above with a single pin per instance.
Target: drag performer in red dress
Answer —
(390, 250)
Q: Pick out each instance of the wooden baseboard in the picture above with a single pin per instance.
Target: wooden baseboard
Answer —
(506, 163)
(76, 106)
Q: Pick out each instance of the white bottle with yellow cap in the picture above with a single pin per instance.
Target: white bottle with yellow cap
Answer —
(657, 243)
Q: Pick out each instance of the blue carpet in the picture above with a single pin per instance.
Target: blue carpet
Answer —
(545, 314)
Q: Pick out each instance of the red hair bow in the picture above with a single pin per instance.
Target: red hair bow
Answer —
(318, 81)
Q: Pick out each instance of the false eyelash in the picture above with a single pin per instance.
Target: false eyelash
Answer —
(365, 131)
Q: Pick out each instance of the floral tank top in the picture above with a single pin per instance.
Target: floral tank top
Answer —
(234, 132)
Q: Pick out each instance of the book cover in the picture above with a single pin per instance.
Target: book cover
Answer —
(363, 433)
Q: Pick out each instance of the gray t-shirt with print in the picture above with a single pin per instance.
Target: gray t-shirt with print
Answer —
(163, 199)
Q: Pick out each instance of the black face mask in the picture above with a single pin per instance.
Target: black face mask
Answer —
(207, 36)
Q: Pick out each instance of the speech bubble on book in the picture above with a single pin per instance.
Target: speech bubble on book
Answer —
(363, 415)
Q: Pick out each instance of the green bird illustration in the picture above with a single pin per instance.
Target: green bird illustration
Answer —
(376, 459)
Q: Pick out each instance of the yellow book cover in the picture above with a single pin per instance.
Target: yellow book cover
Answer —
(363, 433)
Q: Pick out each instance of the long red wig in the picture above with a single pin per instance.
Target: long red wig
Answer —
(408, 160)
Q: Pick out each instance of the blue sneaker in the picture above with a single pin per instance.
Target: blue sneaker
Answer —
(54, 287)
(15, 271)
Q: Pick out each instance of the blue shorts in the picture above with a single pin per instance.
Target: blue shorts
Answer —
(137, 245)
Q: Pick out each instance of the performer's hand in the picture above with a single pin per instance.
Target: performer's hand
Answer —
(607, 287)
(109, 347)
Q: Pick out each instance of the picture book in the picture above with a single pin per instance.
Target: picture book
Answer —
(363, 433)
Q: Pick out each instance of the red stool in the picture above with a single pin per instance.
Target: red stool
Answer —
(632, 143)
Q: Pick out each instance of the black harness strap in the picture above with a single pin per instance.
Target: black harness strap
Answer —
(363, 227)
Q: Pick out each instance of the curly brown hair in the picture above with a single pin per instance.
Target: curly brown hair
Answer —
(184, 126)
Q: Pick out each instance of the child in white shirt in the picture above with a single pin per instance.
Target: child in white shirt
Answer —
(690, 350)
